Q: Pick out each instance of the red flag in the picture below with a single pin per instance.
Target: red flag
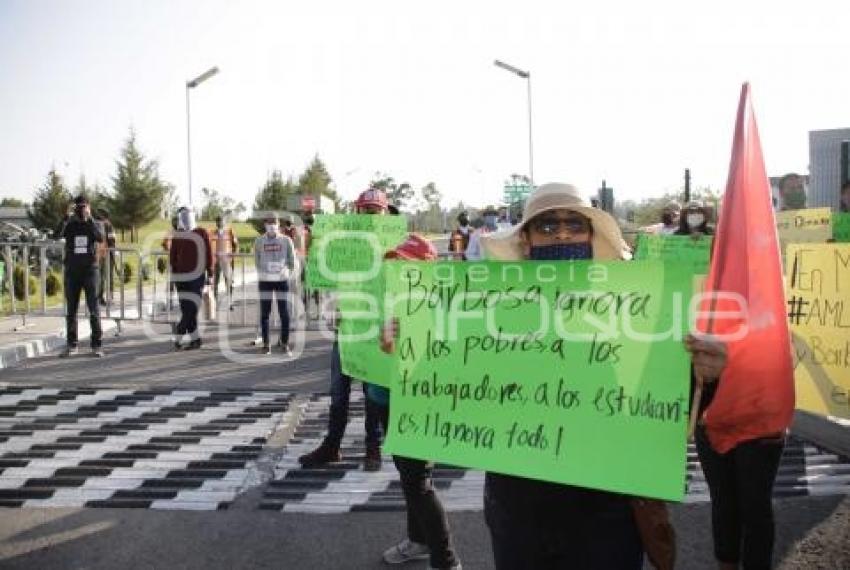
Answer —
(755, 396)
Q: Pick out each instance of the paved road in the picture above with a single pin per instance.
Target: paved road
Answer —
(172, 433)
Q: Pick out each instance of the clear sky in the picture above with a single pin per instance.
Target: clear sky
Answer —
(630, 92)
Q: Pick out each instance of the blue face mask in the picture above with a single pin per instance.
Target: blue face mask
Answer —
(562, 251)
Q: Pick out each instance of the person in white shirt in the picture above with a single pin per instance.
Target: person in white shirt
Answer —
(274, 255)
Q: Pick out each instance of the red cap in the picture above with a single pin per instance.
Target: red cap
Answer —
(415, 247)
(372, 197)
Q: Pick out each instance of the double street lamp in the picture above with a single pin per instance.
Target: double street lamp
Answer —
(191, 85)
(527, 76)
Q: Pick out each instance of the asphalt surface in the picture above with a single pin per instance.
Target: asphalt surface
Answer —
(812, 532)
(106, 539)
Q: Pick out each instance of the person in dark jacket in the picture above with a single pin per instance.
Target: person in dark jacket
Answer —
(541, 525)
(190, 257)
(82, 236)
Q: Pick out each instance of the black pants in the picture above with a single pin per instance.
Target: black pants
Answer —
(78, 279)
(426, 519)
(277, 290)
(741, 486)
(189, 295)
(544, 526)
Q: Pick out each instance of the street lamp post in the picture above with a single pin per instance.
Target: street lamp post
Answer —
(527, 76)
(191, 85)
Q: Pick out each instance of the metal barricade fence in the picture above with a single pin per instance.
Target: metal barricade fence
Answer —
(22, 262)
(133, 288)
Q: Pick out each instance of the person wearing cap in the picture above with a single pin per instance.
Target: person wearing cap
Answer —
(459, 238)
(191, 260)
(274, 255)
(226, 244)
(372, 201)
(82, 236)
(536, 524)
(694, 221)
(428, 533)
(107, 256)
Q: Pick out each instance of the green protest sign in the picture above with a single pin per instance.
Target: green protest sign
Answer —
(572, 372)
(695, 253)
(347, 249)
(841, 227)
(361, 310)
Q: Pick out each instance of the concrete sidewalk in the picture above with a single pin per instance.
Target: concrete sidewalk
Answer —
(38, 334)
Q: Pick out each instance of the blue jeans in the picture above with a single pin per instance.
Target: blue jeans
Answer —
(340, 396)
(277, 290)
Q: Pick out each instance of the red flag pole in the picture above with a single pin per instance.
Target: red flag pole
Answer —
(718, 264)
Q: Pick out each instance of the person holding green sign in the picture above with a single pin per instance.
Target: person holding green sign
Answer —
(428, 534)
(535, 524)
(371, 201)
(694, 221)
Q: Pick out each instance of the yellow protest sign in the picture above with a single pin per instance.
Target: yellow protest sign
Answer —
(819, 318)
(813, 225)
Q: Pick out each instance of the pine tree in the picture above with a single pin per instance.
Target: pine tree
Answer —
(50, 203)
(272, 197)
(139, 193)
(316, 181)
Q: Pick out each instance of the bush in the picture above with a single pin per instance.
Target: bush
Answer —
(52, 284)
(161, 265)
(19, 284)
(127, 273)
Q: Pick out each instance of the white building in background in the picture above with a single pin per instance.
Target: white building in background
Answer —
(829, 166)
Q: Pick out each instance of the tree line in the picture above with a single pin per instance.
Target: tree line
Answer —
(138, 195)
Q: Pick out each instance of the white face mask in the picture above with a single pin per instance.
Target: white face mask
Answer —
(695, 220)
(271, 228)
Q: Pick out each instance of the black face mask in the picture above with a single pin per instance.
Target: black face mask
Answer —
(562, 251)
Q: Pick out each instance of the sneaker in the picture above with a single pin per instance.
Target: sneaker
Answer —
(178, 345)
(194, 345)
(406, 551)
(285, 348)
(373, 458)
(266, 349)
(322, 455)
(97, 352)
(69, 351)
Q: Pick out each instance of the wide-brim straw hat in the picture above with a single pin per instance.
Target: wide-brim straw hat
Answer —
(607, 240)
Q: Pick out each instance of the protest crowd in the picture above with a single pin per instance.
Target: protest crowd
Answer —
(741, 403)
